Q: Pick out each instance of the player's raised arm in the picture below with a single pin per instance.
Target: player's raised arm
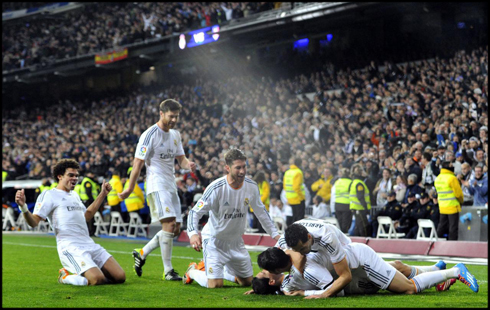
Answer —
(31, 219)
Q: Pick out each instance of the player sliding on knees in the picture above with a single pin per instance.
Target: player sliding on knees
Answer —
(84, 262)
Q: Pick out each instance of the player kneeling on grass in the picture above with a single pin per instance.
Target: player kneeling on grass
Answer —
(308, 275)
(84, 262)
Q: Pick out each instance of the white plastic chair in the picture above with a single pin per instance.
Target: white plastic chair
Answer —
(118, 227)
(22, 224)
(280, 224)
(391, 234)
(136, 224)
(426, 223)
(101, 226)
(332, 221)
(9, 218)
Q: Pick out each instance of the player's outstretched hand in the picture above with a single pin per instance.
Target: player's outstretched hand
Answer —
(314, 297)
(192, 166)
(249, 292)
(124, 194)
(295, 293)
(20, 197)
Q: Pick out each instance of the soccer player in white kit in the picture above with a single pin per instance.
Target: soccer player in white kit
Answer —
(306, 235)
(84, 262)
(158, 147)
(227, 200)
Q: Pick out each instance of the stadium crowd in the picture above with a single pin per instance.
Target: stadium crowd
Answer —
(399, 122)
(100, 26)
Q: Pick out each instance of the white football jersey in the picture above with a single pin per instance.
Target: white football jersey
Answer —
(66, 214)
(158, 149)
(327, 239)
(227, 208)
(315, 275)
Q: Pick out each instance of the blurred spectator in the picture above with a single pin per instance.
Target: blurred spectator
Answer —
(465, 176)
(323, 186)
(430, 170)
(320, 209)
(420, 211)
(407, 220)
(400, 188)
(360, 202)
(383, 187)
(478, 186)
(391, 208)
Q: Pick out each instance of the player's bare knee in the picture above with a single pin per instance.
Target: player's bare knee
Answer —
(215, 285)
(97, 280)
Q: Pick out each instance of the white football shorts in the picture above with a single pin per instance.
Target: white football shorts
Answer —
(78, 259)
(164, 204)
(377, 270)
(230, 253)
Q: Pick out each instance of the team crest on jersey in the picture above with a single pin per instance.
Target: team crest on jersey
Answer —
(200, 204)
(83, 264)
(246, 202)
(175, 142)
(210, 270)
(167, 210)
(37, 207)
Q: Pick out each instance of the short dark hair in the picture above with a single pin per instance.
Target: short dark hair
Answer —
(298, 161)
(262, 287)
(427, 156)
(294, 234)
(273, 259)
(170, 105)
(61, 166)
(234, 154)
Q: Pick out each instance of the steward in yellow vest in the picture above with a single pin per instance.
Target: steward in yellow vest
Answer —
(136, 199)
(117, 187)
(295, 191)
(89, 190)
(323, 186)
(342, 200)
(450, 198)
(264, 190)
(45, 185)
(360, 202)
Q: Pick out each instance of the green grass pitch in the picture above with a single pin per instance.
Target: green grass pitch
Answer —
(30, 267)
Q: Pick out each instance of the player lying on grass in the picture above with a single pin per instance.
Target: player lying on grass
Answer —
(309, 276)
(344, 256)
(88, 262)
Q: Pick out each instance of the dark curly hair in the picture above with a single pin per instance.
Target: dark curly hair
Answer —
(262, 287)
(61, 166)
(234, 154)
(294, 234)
(273, 259)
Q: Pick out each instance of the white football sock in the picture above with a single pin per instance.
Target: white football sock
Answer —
(75, 280)
(152, 244)
(228, 276)
(199, 276)
(429, 279)
(166, 243)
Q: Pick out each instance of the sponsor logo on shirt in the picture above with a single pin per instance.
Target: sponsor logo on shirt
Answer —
(75, 208)
(168, 155)
(37, 207)
(234, 214)
(200, 204)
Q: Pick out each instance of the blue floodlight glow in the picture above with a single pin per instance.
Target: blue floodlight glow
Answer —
(301, 44)
(461, 25)
(329, 37)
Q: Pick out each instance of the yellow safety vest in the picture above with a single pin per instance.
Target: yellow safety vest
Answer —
(53, 185)
(134, 202)
(77, 189)
(288, 185)
(4, 175)
(342, 190)
(261, 189)
(95, 189)
(448, 203)
(112, 198)
(355, 204)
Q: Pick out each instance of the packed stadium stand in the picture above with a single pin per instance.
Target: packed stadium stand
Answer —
(399, 113)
